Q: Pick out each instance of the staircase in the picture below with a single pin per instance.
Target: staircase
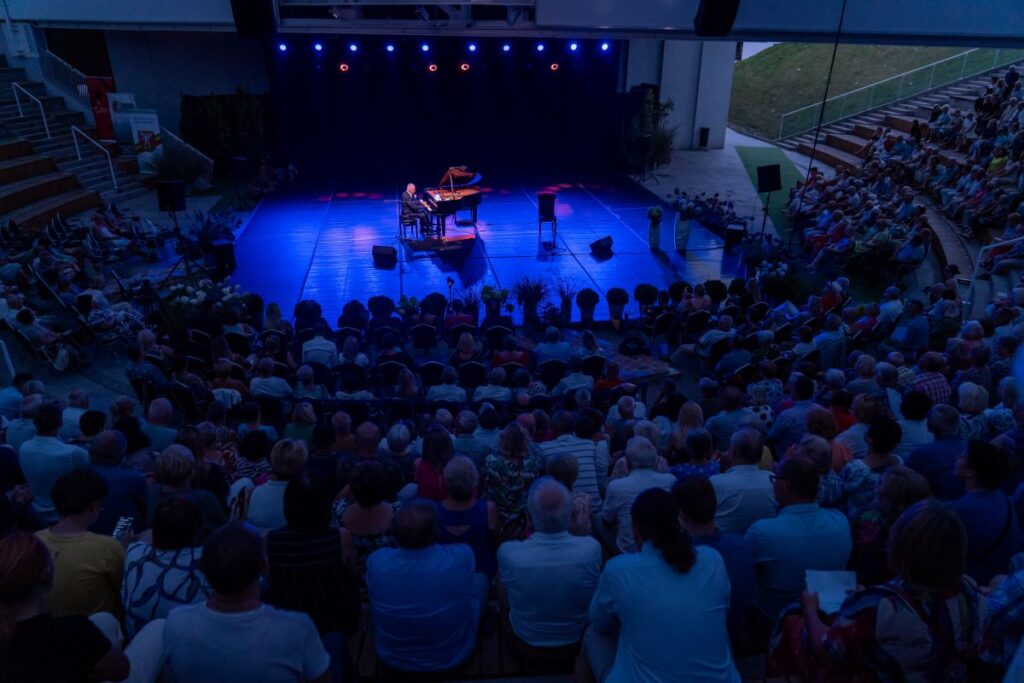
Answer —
(41, 177)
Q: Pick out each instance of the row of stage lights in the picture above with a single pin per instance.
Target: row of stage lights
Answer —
(572, 46)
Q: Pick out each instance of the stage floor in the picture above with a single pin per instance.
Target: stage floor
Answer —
(317, 244)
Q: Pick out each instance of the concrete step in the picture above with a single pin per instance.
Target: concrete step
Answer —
(12, 149)
(39, 213)
(851, 144)
(901, 123)
(21, 168)
(34, 189)
(836, 158)
(9, 74)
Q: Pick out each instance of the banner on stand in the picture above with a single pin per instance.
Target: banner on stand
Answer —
(120, 104)
(99, 87)
(149, 148)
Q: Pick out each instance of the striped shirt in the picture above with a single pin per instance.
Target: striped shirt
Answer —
(592, 459)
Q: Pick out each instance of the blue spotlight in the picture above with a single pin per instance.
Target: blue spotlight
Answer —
(425, 47)
(319, 47)
(471, 47)
(352, 47)
(604, 47)
(540, 47)
(389, 47)
(573, 46)
(282, 47)
(506, 47)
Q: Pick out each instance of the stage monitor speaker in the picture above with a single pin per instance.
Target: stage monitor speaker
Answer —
(602, 246)
(769, 178)
(384, 255)
(170, 195)
(715, 18)
(703, 136)
(254, 18)
(223, 257)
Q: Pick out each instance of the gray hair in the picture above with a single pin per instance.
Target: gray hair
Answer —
(835, 378)
(449, 375)
(304, 374)
(626, 404)
(641, 453)
(582, 398)
(444, 418)
(815, 449)
(944, 420)
(648, 430)
(496, 377)
(467, 421)
(550, 506)
(78, 398)
(886, 374)
(747, 445)
(398, 438)
(972, 398)
(462, 477)
(160, 411)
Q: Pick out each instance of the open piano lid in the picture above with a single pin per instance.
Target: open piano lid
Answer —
(458, 176)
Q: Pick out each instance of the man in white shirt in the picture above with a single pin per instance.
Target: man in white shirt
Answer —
(448, 390)
(320, 350)
(494, 389)
(573, 381)
(44, 459)
(642, 456)
(744, 492)
(591, 457)
(550, 578)
(723, 331)
(78, 403)
(268, 385)
(227, 638)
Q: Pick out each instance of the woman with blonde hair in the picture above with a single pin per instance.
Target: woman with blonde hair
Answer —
(465, 351)
(507, 476)
(266, 503)
(175, 471)
(302, 424)
(691, 417)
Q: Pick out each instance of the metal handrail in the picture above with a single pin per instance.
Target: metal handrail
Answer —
(42, 110)
(900, 80)
(198, 162)
(75, 132)
(982, 253)
(65, 75)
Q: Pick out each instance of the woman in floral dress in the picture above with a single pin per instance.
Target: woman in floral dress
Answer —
(508, 475)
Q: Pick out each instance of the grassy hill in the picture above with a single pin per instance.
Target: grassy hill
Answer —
(792, 75)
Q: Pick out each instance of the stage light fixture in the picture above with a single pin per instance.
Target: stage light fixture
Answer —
(389, 47)
(604, 47)
(282, 47)
(506, 47)
(425, 47)
(319, 47)
(573, 46)
(432, 68)
(554, 66)
(352, 47)
(343, 67)
(464, 67)
(471, 47)
(540, 47)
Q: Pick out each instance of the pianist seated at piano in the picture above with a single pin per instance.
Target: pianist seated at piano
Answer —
(412, 206)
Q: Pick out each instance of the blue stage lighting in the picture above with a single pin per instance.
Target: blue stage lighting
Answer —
(506, 47)
(471, 47)
(425, 47)
(389, 47)
(574, 46)
(604, 47)
(540, 47)
(282, 47)
(352, 47)
(318, 47)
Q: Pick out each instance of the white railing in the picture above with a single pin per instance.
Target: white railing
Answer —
(75, 132)
(42, 110)
(895, 88)
(59, 73)
(982, 254)
(185, 156)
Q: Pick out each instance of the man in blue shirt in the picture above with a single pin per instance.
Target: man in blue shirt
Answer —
(723, 425)
(126, 488)
(10, 397)
(791, 424)
(803, 536)
(426, 599)
(936, 461)
(45, 458)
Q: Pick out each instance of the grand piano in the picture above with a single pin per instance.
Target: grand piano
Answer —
(456, 192)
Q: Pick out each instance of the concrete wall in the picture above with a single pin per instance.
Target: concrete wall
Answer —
(159, 67)
(126, 12)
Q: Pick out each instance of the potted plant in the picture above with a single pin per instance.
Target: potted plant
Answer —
(407, 306)
(566, 288)
(617, 299)
(529, 293)
(682, 212)
(677, 291)
(587, 300)
(381, 306)
(654, 228)
(551, 315)
(645, 295)
(471, 301)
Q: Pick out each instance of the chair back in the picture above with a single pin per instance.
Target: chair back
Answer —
(359, 411)
(272, 411)
(424, 337)
(430, 372)
(472, 374)
(551, 372)
(594, 366)
(387, 372)
(545, 206)
(238, 343)
(495, 337)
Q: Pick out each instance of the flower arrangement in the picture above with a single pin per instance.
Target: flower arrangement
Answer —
(471, 300)
(184, 299)
(551, 315)
(530, 291)
(771, 271)
(407, 305)
(654, 214)
(566, 288)
(492, 295)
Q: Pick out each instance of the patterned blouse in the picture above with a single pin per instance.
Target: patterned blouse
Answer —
(507, 482)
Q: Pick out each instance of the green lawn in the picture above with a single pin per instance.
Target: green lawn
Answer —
(791, 75)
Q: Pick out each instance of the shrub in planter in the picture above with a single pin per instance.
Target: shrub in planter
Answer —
(587, 300)
(529, 293)
(617, 299)
(677, 290)
(381, 306)
(646, 295)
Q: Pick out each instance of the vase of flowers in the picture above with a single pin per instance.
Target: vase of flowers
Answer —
(617, 299)
(654, 228)
(566, 289)
(586, 300)
(529, 293)
(773, 278)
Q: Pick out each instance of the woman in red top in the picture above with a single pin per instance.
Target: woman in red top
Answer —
(437, 451)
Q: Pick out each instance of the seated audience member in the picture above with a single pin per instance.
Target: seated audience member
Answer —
(430, 624)
(861, 478)
(549, 579)
(311, 566)
(913, 421)
(158, 421)
(266, 503)
(744, 492)
(803, 536)
(448, 390)
(87, 567)
(552, 348)
(23, 428)
(635, 613)
(126, 489)
(44, 459)
(698, 452)
(936, 461)
(641, 455)
(175, 470)
(695, 497)
(164, 573)
(466, 442)
(365, 511)
(367, 448)
(78, 403)
(90, 425)
(494, 390)
(302, 423)
(926, 622)
(507, 475)
(573, 381)
(11, 395)
(564, 469)
(35, 645)
(266, 385)
(322, 463)
(253, 461)
(723, 425)
(576, 438)
(226, 637)
(866, 407)
(993, 530)
(428, 470)
(791, 424)
(464, 518)
(250, 422)
(817, 450)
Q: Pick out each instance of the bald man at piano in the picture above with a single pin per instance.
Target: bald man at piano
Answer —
(412, 207)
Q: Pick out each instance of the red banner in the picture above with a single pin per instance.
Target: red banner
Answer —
(98, 89)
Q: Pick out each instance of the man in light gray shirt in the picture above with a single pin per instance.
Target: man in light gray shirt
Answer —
(642, 456)
(744, 492)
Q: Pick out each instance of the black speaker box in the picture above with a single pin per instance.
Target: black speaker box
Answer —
(223, 255)
(714, 18)
(703, 136)
(170, 195)
(769, 178)
(384, 255)
(602, 245)
(254, 18)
